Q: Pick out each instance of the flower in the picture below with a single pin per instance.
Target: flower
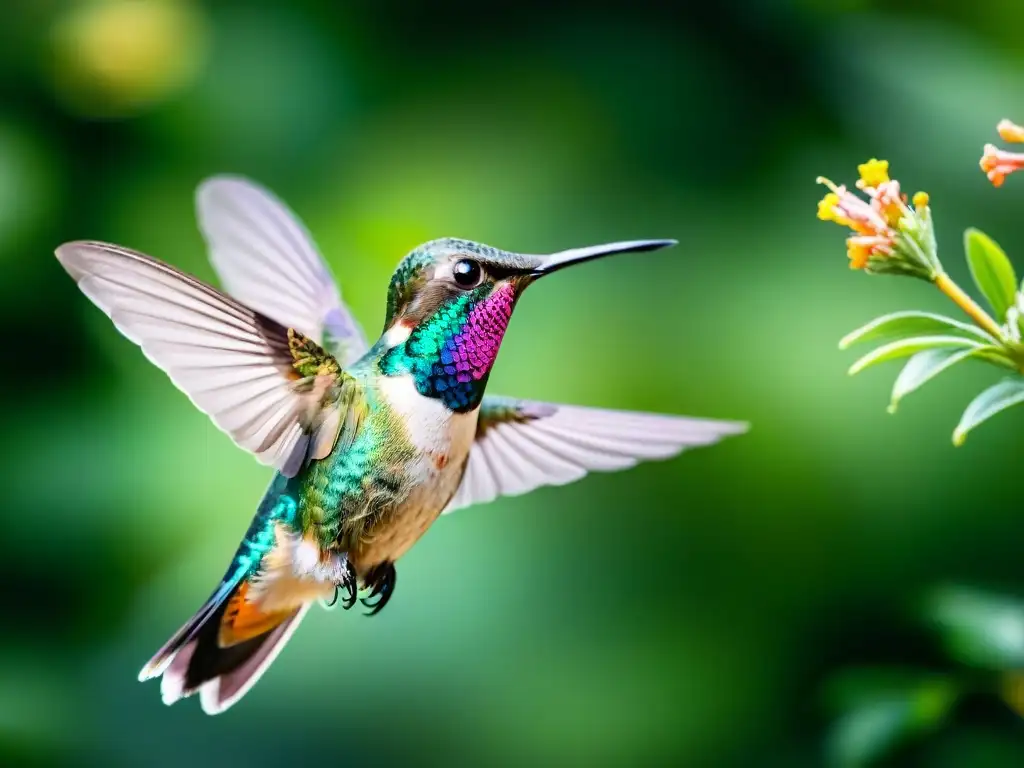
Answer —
(888, 234)
(890, 203)
(828, 210)
(873, 173)
(998, 163)
(1011, 132)
(860, 248)
(874, 234)
(846, 209)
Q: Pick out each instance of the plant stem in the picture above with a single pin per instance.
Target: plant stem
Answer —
(980, 317)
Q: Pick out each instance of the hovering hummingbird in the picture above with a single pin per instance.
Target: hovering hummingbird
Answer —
(370, 443)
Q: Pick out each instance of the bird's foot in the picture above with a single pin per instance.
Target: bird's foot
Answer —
(350, 584)
(381, 582)
(345, 580)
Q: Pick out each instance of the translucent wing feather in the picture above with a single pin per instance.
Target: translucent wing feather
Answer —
(266, 259)
(235, 364)
(522, 445)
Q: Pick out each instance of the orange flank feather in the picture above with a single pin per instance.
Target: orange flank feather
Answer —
(257, 606)
(244, 619)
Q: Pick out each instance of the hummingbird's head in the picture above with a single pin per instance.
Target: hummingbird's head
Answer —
(449, 303)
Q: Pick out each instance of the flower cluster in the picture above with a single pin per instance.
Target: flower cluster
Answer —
(892, 236)
(889, 234)
(998, 163)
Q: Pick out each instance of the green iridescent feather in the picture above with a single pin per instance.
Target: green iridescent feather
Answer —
(420, 355)
(339, 496)
(278, 506)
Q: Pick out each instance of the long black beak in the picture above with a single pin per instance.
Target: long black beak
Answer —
(557, 261)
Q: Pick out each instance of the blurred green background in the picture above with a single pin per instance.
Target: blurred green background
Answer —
(685, 612)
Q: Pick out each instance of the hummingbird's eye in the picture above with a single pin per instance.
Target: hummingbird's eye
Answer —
(467, 273)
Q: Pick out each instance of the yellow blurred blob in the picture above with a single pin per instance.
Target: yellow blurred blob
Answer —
(116, 57)
(1010, 131)
(1013, 691)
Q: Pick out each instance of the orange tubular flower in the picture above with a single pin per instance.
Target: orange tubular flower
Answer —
(860, 249)
(998, 163)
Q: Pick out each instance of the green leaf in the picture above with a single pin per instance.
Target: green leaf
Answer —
(925, 366)
(997, 356)
(996, 398)
(982, 630)
(900, 325)
(907, 347)
(886, 709)
(865, 734)
(991, 270)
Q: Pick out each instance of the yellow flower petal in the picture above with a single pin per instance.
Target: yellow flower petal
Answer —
(858, 253)
(827, 207)
(874, 172)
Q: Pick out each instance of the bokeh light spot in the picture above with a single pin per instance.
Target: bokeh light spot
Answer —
(116, 57)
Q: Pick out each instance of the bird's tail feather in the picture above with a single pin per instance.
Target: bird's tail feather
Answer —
(222, 650)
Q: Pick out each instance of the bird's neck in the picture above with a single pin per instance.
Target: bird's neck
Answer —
(449, 354)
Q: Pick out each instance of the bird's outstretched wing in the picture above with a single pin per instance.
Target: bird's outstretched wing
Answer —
(274, 391)
(523, 444)
(266, 259)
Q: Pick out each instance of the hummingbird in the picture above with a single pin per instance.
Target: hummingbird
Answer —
(370, 444)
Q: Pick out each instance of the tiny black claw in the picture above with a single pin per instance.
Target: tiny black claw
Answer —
(375, 607)
(350, 598)
(351, 585)
(348, 584)
(382, 585)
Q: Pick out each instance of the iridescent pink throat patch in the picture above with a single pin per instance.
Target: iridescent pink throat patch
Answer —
(476, 346)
